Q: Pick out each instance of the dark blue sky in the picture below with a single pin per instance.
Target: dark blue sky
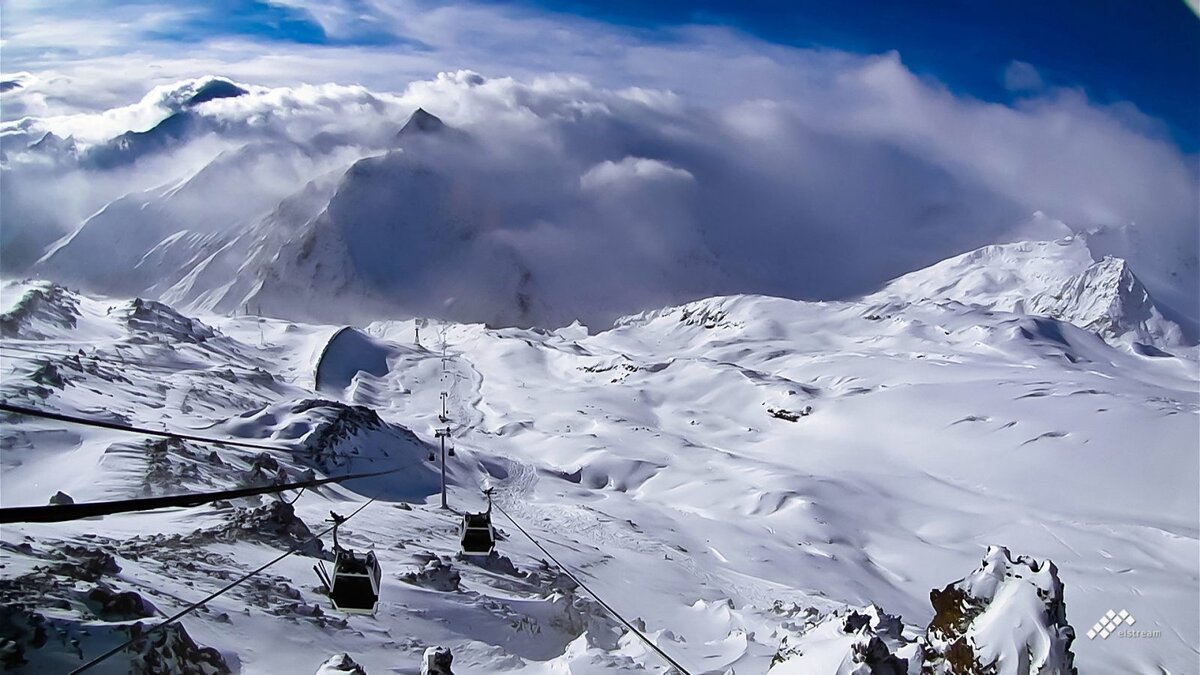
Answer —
(262, 20)
(1143, 51)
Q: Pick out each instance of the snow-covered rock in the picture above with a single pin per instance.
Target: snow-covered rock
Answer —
(1107, 298)
(41, 310)
(437, 661)
(161, 322)
(340, 664)
(1008, 617)
(866, 642)
(172, 650)
(61, 498)
(436, 574)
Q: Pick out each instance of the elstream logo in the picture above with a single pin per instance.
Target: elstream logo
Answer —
(1109, 624)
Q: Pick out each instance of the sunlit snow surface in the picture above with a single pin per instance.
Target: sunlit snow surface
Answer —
(646, 459)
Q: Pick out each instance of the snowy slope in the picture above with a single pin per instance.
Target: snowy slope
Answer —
(722, 472)
(995, 276)
(168, 241)
(1058, 279)
(1108, 299)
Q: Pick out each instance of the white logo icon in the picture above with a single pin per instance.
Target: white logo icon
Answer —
(1109, 623)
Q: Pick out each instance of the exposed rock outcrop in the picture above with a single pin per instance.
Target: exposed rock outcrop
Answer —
(1005, 618)
(1008, 617)
(437, 661)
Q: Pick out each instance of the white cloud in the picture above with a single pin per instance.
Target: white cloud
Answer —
(616, 175)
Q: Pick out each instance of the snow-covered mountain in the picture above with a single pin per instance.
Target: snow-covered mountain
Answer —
(408, 231)
(396, 235)
(1107, 298)
(754, 480)
(225, 197)
(1057, 279)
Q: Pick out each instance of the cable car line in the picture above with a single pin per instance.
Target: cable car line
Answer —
(200, 603)
(478, 538)
(120, 360)
(59, 513)
(116, 426)
(117, 360)
(649, 643)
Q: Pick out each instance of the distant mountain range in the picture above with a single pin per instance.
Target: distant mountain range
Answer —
(268, 227)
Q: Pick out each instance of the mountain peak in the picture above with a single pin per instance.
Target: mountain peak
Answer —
(54, 143)
(1109, 299)
(1058, 279)
(422, 122)
(212, 89)
(996, 276)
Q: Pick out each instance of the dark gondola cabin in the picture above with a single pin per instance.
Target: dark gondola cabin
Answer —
(355, 582)
(478, 536)
(354, 585)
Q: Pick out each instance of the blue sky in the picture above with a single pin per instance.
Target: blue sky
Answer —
(275, 22)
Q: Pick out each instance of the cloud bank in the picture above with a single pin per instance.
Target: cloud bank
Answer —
(809, 174)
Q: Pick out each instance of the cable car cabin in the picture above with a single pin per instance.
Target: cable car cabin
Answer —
(354, 587)
(478, 536)
(355, 582)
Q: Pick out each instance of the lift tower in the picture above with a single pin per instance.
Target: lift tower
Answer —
(443, 434)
